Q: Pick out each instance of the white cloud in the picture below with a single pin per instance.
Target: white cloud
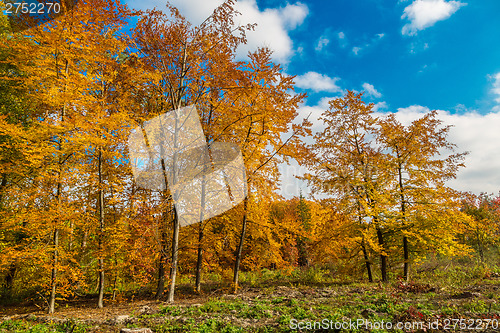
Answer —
(370, 90)
(356, 50)
(425, 13)
(341, 35)
(471, 132)
(293, 15)
(496, 86)
(273, 24)
(317, 82)
(322, 42)
(380, 106)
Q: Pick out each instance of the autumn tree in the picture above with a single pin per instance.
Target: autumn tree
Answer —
(414, 155)
(346, 163)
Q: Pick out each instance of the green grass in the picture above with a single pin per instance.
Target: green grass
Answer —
(20, 326)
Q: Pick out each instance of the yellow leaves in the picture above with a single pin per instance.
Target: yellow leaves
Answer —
(388, 177)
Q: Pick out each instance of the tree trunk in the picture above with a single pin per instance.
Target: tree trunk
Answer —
(383, 257)
(367, 261)
(55, 255)
(199, 261)
(115, 282)
(406, 251)
(363, 246)
(161, 275)
(71, 232)
(3, 185)
(240, 246)
(101, 231)
(176, 226)
(406, 254)
(175, 253)
(163, 259)
(53, 279)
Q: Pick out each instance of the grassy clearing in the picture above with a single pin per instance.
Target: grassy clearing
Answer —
(269, 301)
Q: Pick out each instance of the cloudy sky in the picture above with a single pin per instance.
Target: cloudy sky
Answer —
(409, 56)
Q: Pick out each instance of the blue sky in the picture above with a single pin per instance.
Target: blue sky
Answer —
(445, 64)
(409, 56)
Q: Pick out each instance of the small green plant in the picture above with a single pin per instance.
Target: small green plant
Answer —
(215, 326)
(170, 311)
(257, 311)
(448, 311)
(71, 326)
(476, 306)
(278, 300)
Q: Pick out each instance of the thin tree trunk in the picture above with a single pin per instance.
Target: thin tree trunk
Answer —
(3, 185)
(363, 246)
(70, 241)
(53, 280)
(175, 254)
(240, 246)
(199, 259)
(161, 275)
(175, 233)
(55, 254)
(101, 231)
(163, 258)
(383, 257)
(116, 279)
(406, 254)
(176, 226)
(406, 251)
(367, 261)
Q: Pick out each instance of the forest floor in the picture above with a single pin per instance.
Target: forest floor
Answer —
(468, 306)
